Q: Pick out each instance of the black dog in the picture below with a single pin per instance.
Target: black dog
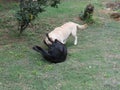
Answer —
(57, 52)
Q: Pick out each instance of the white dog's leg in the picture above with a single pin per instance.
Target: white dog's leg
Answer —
(75, 36)
(75, 42)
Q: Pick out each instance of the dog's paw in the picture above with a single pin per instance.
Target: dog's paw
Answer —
(75, 43)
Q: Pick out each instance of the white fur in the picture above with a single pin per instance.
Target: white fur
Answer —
(63, 32)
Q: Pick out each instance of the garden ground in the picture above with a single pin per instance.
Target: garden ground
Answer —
(93, 64)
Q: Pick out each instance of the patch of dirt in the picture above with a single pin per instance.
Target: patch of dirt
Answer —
(7, 1)
(113, 5)
(117, 56)
(115, 16)
(111, 9)
(9, 37)
(106, 11)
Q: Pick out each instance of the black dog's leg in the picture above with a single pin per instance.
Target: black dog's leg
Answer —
(44, 53)
(37, 48)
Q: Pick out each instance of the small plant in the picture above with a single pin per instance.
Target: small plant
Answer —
(87, 15)
(29, 9)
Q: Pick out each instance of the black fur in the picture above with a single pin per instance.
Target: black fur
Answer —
(56, 53)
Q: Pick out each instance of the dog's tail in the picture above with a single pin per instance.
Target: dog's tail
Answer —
(82, 26)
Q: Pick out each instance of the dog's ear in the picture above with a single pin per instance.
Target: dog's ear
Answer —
(56, 40)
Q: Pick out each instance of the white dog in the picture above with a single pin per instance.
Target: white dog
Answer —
(63, 32)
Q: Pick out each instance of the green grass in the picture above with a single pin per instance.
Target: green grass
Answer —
(93, 64)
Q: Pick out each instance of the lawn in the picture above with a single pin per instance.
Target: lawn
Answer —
(93, 64)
